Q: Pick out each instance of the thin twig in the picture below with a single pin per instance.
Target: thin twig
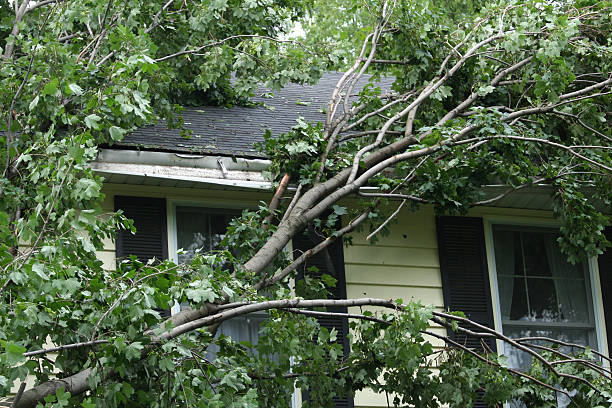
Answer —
(221, 42)
(492, 363)
(389, 218)
(64, 347)
(123, 295)
(19, 395)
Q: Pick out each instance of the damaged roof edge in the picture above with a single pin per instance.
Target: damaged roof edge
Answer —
(215, 171)
(182, 160)
(181, 170)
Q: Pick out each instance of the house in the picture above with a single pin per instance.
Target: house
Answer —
(500, 264)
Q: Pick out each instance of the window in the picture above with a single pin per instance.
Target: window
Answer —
(200, 229)
(518, 275)
(540, 294)
(203, 229)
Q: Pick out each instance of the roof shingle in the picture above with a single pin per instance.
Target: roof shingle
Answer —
(234, 131)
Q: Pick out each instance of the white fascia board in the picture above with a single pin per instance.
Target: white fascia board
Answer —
(222, 171)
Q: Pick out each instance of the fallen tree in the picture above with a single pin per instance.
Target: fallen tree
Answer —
(518, 95)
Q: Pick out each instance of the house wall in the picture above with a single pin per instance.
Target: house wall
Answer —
(403, 264)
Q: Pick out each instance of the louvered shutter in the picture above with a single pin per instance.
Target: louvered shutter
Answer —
(605, 277)
(465, 275)
(331, 262)
(151, 238)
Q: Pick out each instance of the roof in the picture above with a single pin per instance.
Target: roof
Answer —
(234, 131)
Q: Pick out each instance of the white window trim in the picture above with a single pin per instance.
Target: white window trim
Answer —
(598, 310)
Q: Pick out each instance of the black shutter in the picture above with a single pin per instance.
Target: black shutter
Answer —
(465, 276)
(329, 261)
(605, 277)
(151, 238)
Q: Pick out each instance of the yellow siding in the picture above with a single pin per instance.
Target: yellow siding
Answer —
(403, 265)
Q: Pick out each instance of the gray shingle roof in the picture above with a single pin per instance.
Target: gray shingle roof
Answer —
(233, 131)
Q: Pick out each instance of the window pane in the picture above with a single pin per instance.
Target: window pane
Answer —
(533, 247)
(516, 301)
(241, 328)
(573, 301)
(520, 359)
(511, 284)
(218, 227)
(535, 281)
(192, 231)
(542, 300)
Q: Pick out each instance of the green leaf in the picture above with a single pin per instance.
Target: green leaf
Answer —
(75, 89)
(201, 294)
(92, 121)
(133, 351)
(39, 269)
(51, 87)
(86, 188)
(339, 210)
(485, 90)
(13, 352)
(34, 103)
(116, 132)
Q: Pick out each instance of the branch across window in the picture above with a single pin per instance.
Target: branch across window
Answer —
(540, 293)
(200, 229)
(203, 229)
(535, 291)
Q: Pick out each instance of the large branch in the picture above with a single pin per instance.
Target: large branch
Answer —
(311, 252)
(427, 91)
(272, 304)
(77, 384)
(19, 14)
(321, 196)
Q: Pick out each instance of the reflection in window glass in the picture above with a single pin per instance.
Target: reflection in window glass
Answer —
(200, 229)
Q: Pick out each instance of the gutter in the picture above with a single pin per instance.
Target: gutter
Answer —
(208, 171)
(215, 170)
(181, 160)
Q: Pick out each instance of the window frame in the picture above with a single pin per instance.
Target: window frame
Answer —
(593, 285)
(172, 239)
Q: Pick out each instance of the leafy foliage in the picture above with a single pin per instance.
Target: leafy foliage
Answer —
(78, 74)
